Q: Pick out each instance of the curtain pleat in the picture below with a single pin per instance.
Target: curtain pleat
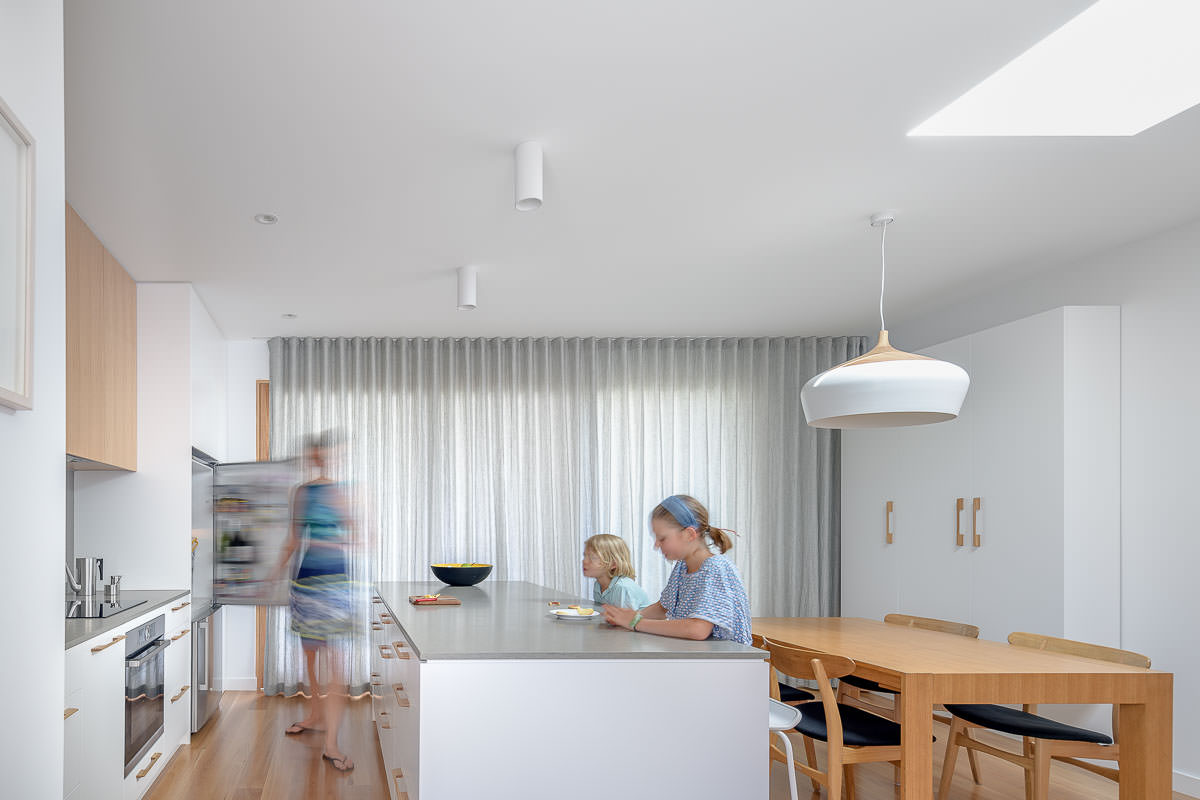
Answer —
(513, 451)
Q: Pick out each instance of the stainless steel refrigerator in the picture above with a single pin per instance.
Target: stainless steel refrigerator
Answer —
(240, 524)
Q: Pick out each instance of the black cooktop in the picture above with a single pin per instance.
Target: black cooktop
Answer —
(98, 607)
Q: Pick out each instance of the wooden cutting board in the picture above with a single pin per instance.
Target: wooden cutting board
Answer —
(444, 600)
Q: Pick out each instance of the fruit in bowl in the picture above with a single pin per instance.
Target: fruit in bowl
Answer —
(461, 574)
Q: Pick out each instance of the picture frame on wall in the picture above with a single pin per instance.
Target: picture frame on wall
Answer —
(16, 261)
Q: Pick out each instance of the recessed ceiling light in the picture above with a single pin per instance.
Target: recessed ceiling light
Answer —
(266, 219)
(1116, 69)
(289, 316)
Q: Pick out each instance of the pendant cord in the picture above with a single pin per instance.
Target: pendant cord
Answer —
(882, 272)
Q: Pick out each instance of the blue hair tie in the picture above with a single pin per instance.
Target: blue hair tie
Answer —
(680, 511)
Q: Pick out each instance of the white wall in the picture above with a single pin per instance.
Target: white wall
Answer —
(1157, 284)
(209, 374)
(249, 362)
(140, 522)
(33, 443)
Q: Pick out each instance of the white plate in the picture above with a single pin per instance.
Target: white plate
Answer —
(572, 614)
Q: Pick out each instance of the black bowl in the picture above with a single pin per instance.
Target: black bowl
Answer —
(461, 576)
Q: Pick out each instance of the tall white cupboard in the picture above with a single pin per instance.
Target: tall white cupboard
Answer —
(1007, 517)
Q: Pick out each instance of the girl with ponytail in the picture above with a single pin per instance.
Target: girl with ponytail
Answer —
(704, 597)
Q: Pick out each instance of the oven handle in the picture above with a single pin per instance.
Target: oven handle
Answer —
(148, 656)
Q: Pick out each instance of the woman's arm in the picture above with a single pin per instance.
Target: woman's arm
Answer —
(654, 611)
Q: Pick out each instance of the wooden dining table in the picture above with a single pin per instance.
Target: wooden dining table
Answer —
(929, 667)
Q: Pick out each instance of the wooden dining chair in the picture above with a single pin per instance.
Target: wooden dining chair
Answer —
(852, 736)
(852, 687)
(775, 686)
(1043, 739)
(792, 695)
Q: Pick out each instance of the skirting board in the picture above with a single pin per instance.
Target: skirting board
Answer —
(1186, 784)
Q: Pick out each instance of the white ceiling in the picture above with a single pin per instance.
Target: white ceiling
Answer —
(710, 165)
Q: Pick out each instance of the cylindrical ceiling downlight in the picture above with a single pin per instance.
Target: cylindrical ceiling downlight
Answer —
(528, 157)
(466, 287)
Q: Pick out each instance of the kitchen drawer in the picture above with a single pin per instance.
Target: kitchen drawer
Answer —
(178, 614)
(148, 768)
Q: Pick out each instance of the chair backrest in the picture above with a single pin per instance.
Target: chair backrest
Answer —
(800, 662)
(1071, 647)
(931, 624)
(760, 643)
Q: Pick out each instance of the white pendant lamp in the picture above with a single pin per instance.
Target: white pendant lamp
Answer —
(885, 387)
(466, 287)
(528, 163)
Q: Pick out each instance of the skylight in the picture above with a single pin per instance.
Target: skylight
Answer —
(1118, 68)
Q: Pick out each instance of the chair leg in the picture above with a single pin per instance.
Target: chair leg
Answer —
(1027, 749)
(957, 726)
(810, 754)
(791, 764)
(974, 762)
(1041, 773)
(849, 770)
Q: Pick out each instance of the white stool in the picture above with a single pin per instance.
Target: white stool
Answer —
(783, 718)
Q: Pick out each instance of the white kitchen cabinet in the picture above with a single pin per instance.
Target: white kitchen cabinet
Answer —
(1037, 442)
(94, 736)
(94, 749)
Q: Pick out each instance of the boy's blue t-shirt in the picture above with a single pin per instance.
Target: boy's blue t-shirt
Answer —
(622, 592)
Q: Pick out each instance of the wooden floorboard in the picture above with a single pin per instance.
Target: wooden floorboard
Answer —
(243, 754)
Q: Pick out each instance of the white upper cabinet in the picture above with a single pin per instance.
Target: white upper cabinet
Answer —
(1037, 442)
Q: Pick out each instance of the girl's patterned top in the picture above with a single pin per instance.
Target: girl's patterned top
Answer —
(713, 593)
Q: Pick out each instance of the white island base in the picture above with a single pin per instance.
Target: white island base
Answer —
(656, 718)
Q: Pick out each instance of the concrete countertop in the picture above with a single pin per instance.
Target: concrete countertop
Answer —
(80, 630)
(510, 620)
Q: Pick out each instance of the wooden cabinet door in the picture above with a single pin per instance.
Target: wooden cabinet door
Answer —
(934, 571)
(1017, 466)
(101, 332)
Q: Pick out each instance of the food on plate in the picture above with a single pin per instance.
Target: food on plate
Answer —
(574, 607)
(553, 603)
(585, 612)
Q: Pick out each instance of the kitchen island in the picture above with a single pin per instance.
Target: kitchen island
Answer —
(497, 698)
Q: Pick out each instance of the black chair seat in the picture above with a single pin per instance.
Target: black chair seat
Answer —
(859, 728)
(1021, 723)
(790, 694)
(863, 683)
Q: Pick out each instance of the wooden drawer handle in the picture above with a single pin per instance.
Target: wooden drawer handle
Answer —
(401, 698)
(958, 532)
(888, 531)
(143, 773)
(181, 634)
(385, 619)
(375, 626)
(976, 536)
(70, 712)
(182, 691)
(384, 652)
(376, 675)
(385, 723)
(401, 653)
(376, 600)
(184, 604)
(100, 647)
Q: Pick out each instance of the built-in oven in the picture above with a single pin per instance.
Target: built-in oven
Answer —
(145, 678)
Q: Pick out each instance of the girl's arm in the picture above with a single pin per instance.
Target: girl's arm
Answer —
(691, 628)
(654, 621)
(653, 611)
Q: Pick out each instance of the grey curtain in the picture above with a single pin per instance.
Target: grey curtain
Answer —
(513, 451)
